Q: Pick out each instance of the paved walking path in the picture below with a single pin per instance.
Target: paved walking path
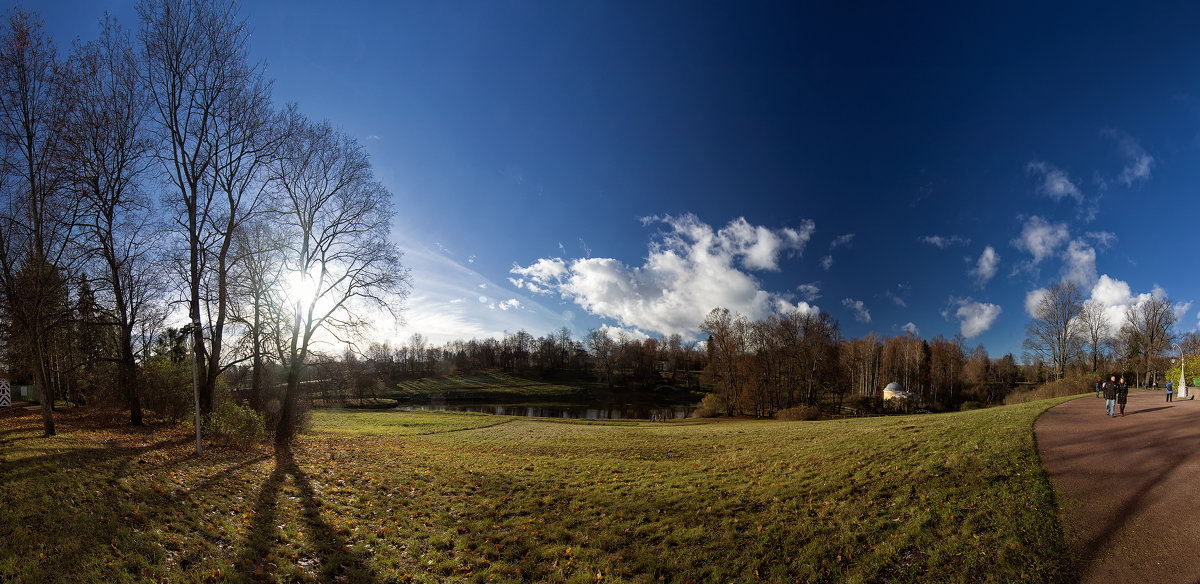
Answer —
(1127, 486)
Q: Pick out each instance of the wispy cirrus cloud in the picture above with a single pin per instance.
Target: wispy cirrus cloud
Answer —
(1054, 182)
(985, 266)
(841, 241)
(809, 292)
(858, 308)
(1138, 163)
(899, 297)
(945, 241)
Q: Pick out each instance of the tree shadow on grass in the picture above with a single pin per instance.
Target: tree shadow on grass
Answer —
(326, 550)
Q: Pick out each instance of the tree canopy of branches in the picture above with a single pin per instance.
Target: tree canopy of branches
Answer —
(211, 108)
(108, 153)
(37, 214)
(1148, 325)
(334, 248)
(1055, 334)
(1096, 330)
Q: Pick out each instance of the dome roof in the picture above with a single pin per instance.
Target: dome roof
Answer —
(894, 386)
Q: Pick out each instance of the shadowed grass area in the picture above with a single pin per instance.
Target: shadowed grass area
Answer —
(436, 497)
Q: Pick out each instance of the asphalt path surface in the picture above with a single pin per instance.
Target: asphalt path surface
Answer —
(1127, 486)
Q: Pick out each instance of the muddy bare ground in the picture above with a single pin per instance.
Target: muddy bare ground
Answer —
(1127, 486)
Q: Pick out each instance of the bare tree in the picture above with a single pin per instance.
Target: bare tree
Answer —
(108, 153)
(336, 248)
(604, 352)
(1190, 343)
(212, 112)
(1055, 334)
(1096, 330)
(255, 282)
(861, 359)
(1150, 323)
(36, 214)
(728, 350)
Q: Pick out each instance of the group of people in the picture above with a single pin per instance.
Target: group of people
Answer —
(1116, 393)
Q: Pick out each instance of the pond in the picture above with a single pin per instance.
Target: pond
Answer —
(570, 412)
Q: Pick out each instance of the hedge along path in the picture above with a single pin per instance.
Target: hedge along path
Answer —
(1126, 486)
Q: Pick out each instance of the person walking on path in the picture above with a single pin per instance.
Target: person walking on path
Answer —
(1122, 395)
(1098, 384)
(1170, 391)
(1110, 396)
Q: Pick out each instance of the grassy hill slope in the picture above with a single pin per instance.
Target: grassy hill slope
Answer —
(433, 497)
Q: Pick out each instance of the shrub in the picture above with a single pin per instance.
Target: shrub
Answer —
(711, 406)
(231, 424)
(167, 389)
(1067, 386)
(972, 405)
(798, 413)
(866, 404)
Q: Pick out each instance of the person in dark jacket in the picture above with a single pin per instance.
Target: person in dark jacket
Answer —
(1098, 384)
(1122, 395)
(1110, 396)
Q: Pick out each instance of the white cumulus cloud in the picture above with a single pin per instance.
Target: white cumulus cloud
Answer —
(630, 334)
(1041, 239)
(975, 318)
(783, 306)
(1115, 297)
(1079, 264)
(691, 269)
(911, 329)
(1032, 299)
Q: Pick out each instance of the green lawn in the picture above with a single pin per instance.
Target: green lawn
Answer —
(437, 497)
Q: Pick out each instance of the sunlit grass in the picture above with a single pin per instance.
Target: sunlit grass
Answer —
(391, 423)
(435, 497)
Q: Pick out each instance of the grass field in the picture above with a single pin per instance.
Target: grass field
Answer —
(438, 497)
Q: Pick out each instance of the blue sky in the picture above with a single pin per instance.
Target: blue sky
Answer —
(633, 164)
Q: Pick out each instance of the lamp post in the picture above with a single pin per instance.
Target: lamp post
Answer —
(1182, 369)
(188, 330)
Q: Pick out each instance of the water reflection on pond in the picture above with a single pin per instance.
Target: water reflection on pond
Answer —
(571, 412)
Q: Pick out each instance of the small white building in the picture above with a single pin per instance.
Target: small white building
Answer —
(894, 390)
